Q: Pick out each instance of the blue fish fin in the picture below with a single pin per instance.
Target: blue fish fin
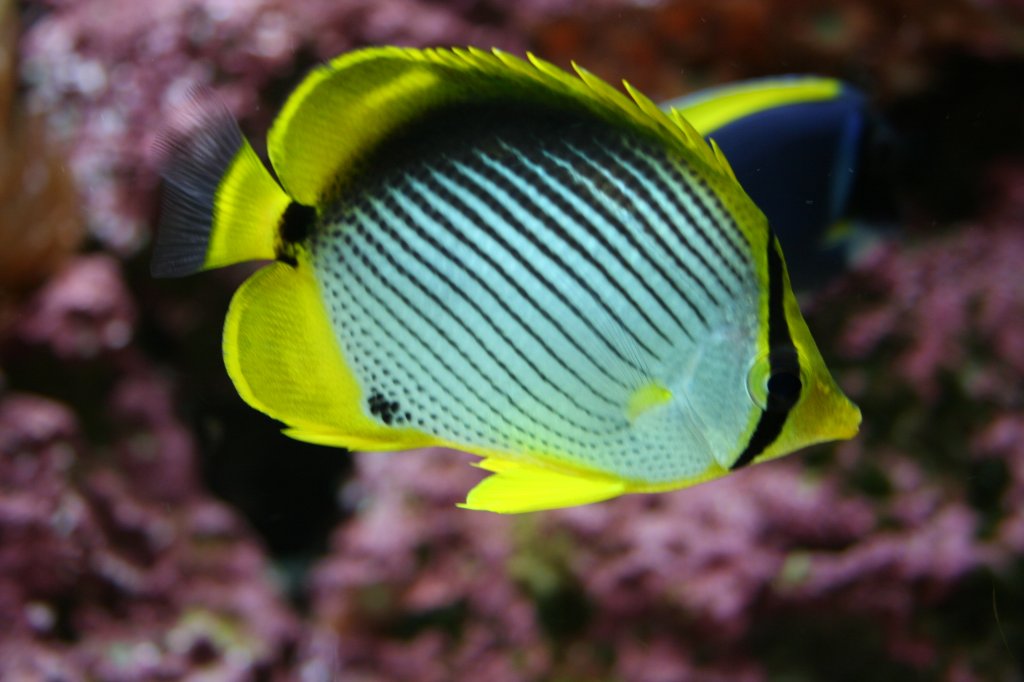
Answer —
(517, 487)
(712, 109)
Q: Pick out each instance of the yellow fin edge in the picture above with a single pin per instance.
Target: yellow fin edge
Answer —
(516, 487)
(246, 209)
(281, 353)
(343, 108)
(732, 102)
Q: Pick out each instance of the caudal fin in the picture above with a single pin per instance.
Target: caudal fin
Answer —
(221, 205)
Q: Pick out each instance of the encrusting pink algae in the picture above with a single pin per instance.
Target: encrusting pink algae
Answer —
(152, 527)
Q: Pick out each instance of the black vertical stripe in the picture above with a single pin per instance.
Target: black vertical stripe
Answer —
(782, 352)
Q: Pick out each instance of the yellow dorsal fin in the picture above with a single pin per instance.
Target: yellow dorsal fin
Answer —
(517, 487)
(343, 109)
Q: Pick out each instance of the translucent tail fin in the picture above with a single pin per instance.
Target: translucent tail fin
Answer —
(221, 205)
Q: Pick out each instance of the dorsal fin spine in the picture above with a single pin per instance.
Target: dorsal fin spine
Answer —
(723, 162)
(337, 101)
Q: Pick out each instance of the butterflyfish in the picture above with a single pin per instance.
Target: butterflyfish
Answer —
(814, 155)
(490, 254)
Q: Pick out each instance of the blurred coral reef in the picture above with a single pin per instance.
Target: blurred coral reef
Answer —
(122, 570)
(39, 221)
(153, 527)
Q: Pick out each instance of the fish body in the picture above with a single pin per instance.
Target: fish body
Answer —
(496, 256)
(805, 149)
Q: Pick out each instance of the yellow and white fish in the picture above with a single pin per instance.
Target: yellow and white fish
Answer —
(497, 256)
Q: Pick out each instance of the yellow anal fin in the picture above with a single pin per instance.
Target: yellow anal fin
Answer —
(284, 359)
(517, 487)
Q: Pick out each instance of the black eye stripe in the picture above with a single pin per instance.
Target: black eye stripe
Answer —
(784, 383)
(783, 391)
(783, 362)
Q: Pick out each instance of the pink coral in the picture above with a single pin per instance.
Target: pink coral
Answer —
(100, 578)
(84, 311)
(111, 72)
(856, 562)
(694, 562)
(1003, 441)
(402, 558)
(154, 448)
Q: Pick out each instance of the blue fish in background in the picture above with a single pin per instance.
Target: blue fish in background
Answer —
(812, 154)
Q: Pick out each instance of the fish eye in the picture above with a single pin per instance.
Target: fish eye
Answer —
(774, 381)
(783, 389)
